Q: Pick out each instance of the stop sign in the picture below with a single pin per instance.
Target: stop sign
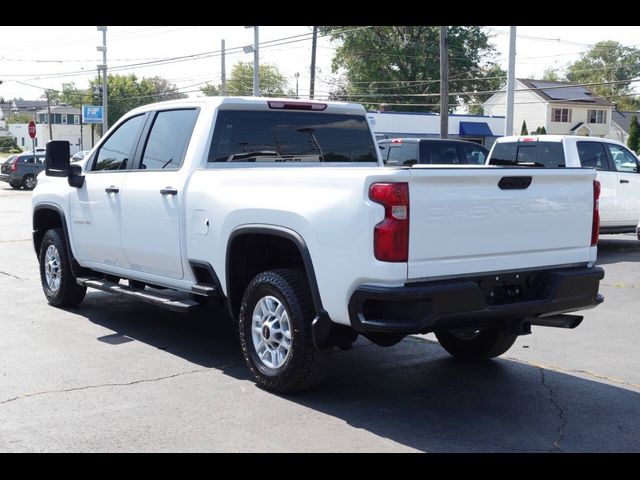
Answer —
(32, 129)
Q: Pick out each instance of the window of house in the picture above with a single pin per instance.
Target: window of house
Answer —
(562, 115)
(64, 119)
(76, 119)
(168, 140)
(22, 138)
(45, 118)
(597, 116)
(116, 152)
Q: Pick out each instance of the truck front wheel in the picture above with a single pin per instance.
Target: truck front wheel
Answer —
(58, 283)
(476, 344)
(275, 332)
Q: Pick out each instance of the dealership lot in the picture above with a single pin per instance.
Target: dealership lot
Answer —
(116, 375)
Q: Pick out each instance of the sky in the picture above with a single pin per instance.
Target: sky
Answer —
(35, 58)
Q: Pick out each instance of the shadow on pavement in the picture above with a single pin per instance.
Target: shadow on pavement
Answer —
(412, 393)
(621, 249)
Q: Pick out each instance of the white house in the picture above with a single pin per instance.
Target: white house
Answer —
(65, 125)
(562, 108)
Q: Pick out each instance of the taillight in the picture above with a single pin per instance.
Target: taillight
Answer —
(595, 226)
(391, 236)
(282, 105)
(14, 165)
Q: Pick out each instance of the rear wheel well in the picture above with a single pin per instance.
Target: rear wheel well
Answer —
(44, 219)
(252, 253)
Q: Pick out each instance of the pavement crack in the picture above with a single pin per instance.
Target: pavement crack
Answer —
(561, 412)
(11, 275)
(101, 385)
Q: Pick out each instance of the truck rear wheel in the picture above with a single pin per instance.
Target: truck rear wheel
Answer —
(275, 332)
(476, 344)
(58, 283)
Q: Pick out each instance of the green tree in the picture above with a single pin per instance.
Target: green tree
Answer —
(19, 117)
(633, 142)
(400, 65)
(126, 92)
(523, 130)
(543, 131)
(211, 90)
(272, 82)
(552, 74)
(609, 61)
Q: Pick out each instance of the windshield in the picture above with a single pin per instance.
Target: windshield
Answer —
(251, 136)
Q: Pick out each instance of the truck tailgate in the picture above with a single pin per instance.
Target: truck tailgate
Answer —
(462, 221)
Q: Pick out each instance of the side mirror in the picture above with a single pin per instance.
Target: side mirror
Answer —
(56, 160)
(76, 179)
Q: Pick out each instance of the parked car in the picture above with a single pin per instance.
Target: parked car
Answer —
(617, 168)
(79, 155)
(435, 151)
(21, 170)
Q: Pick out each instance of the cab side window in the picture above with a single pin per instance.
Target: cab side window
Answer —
(623, 159)
(168, 139)
(592, 155)
(117, 152)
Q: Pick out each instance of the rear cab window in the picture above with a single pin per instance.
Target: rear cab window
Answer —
(400, 153)
(528, 154)
(291, 137)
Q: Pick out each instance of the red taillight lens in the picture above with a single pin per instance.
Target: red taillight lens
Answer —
(595, 227)
(391, 236)
(14, 165)
(282, 105)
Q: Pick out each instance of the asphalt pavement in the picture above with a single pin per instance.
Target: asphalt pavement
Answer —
(116, 375)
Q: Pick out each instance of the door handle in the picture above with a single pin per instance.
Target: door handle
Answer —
(112, 189)
(624, 181)
(169, 191)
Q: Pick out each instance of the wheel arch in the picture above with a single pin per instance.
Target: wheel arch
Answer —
(293, 241)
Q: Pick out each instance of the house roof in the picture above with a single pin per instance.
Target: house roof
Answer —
(24, 105)
(564, 92)
(623, 119)
(5, 109)
(61, 109)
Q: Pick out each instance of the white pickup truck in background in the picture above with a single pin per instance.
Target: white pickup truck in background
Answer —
(283, 211)
(617, 167)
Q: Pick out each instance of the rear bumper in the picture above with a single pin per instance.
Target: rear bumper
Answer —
(475, 302)
(4, 177)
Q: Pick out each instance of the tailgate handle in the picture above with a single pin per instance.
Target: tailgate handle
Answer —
(514, 183)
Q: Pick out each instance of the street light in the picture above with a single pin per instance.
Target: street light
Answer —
(297, 75)
(256, 63)
(103, 68)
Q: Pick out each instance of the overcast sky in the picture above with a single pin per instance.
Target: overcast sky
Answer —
(45, 57)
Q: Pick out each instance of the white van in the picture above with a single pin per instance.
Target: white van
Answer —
(618, 170)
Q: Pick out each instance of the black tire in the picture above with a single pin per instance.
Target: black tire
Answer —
(29, 182)
(481, 345)
(15, 186)
(304, 365)
(68, 293)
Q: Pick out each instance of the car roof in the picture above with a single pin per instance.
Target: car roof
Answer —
(426, 139)
(556, 138)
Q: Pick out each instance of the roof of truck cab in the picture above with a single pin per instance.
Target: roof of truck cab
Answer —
(555, 138)
(251, 103)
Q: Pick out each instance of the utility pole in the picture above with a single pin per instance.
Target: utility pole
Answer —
(223, 74)
(314, 43)
(297, 75)
(444, 84)
(49, 116)
(256, 63)
(103, 48)
(511, 82)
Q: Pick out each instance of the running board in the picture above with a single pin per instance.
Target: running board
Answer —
(182, 305)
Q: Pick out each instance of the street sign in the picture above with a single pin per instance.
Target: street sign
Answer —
(91, 114)
(32, 129)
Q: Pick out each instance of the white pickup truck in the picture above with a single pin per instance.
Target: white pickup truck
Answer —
(283, 211)
(617, 168)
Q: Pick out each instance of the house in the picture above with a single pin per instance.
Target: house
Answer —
(475, 128)
(65, 125)
(29, 107)
(620, 122)
(562, 108)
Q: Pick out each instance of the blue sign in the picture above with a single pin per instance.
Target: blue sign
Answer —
(91, 114)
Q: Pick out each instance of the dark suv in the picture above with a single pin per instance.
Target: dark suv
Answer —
(434, 151)
(21, 170)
